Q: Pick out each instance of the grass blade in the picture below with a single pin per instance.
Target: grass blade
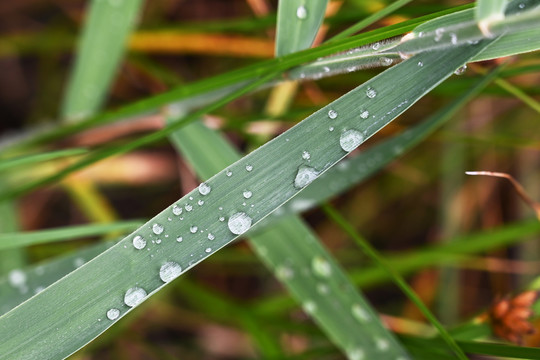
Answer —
(297, 24)
(487, 11)
(294, 254)
(10, 163)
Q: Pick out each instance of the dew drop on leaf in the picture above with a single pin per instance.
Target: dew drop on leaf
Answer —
(350, 140)
(169, 271)
(371, 92)
(461, 70)
(301, 12)
(139, 242)
(420, 64)
(188, 207)
(208, 250)
(200, 202)
(204, 189)
(179, 239)
(193, 229)
(364, 114)
(284, 272)
(249, 167)
(305, 176)
(211, 236)
(321, 267)
(382, 344)
(157, 228)
(355, 354)
(134, 296)
(332, 114)
(359, 313)
(17, 278)
(247, 194)
(177, 210)
(113, 314)
(309, 307)
(239, 223)
(306, 155)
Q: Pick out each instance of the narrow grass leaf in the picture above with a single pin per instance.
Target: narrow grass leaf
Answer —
(297, 24)
(25, 160)
(487, 11)
(67, 233)
(294, 254)
(100, 51)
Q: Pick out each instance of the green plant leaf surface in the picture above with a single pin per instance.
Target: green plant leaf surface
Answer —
(76, 307)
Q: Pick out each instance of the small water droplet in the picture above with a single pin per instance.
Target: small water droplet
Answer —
(421, 34)
(364, 114)
(208, 250)
(204, 189)
(309, 307)
(157, 228)
(239, 223)
(169, 271)
(521, 5)
(382, 344)
(355, 354)
(249, 167)
(139, 242)
(305, 176)
(211, 236)
(113, 314)
(332, 114)
(306, 155)
(193, 229)
(17, 278)
(420, 64)
(78, 262)
(134, 296)
(247, 194)
(322, 289)
(326, 69)
(438, 34)
(376, 46)
(228, 173)
(188, 207)
(359, 313)
(158, 241)
(453, 38)
(371, 92)
(301, 12)
(200, 202)
(221, 218)
(331, 128)
(385, 61)
(179, 239)
(461, 70)
(284, 273)
(321, 267)
(350, 140)
(177, 210)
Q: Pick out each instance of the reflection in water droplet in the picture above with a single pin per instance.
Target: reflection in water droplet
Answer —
(193, 229)
(139, 242)
(247, 194)
(179, 239)
(332, 114)
(211, 236)
(157, 228)
(350, 140)
(169, 271)
(177, 210)
(113, 314)
(249, 167)
(364, 114)
(239, 223)
(306, 155)
(371, 92)
(461, 70)
(134, 296)
(208, 250)
(204, 189)
(305, 176)
(301, 12)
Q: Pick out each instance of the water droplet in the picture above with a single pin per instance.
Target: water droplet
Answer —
(188, 207)
(247, 194)
(134, 296)
(305, 176)
(385, 61)
(139, 242)
(179, 239)
(521, 5)
(193, 229)
(228, 173)
(421, 34)
(350, 140)
(438, 34)
(461, 70)
(332, 114)
(453, 38)
(113, 314)
(211, 236)
(17, 278)
(78, 262)
(376, 46)
(322, 289)
(301, 12)
(157, 229)
(382, 344)
(371, 92)
(306, 155)
(359, 313)
(331, 128)
(249, 167)
(355, 354)
(364, 114)
(420, 64)
(221, 218)
(321, 267)
(204, 189)
(158, 241)
(176, 210)
(309, 307)
(169, 271)
(239, 223)
(200, 202)
(208, 250)
(326, 69)
(284, 273)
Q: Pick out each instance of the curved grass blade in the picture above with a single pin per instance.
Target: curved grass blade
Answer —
(22, 239)
(297, 24)
(10, 163)
(294, 254)
(125, 275)
(100, 51)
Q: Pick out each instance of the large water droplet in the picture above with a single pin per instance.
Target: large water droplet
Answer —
(169, 271)
(239, 223)
(371, 92)
(139, 242)
(350, 140)
(247, 194)
(332, 114)
(157, 228)
(321, 267)
(305, 176)
(301, 12)
(134, 296)
(204, 189)
(113, 314)
(177, 210)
